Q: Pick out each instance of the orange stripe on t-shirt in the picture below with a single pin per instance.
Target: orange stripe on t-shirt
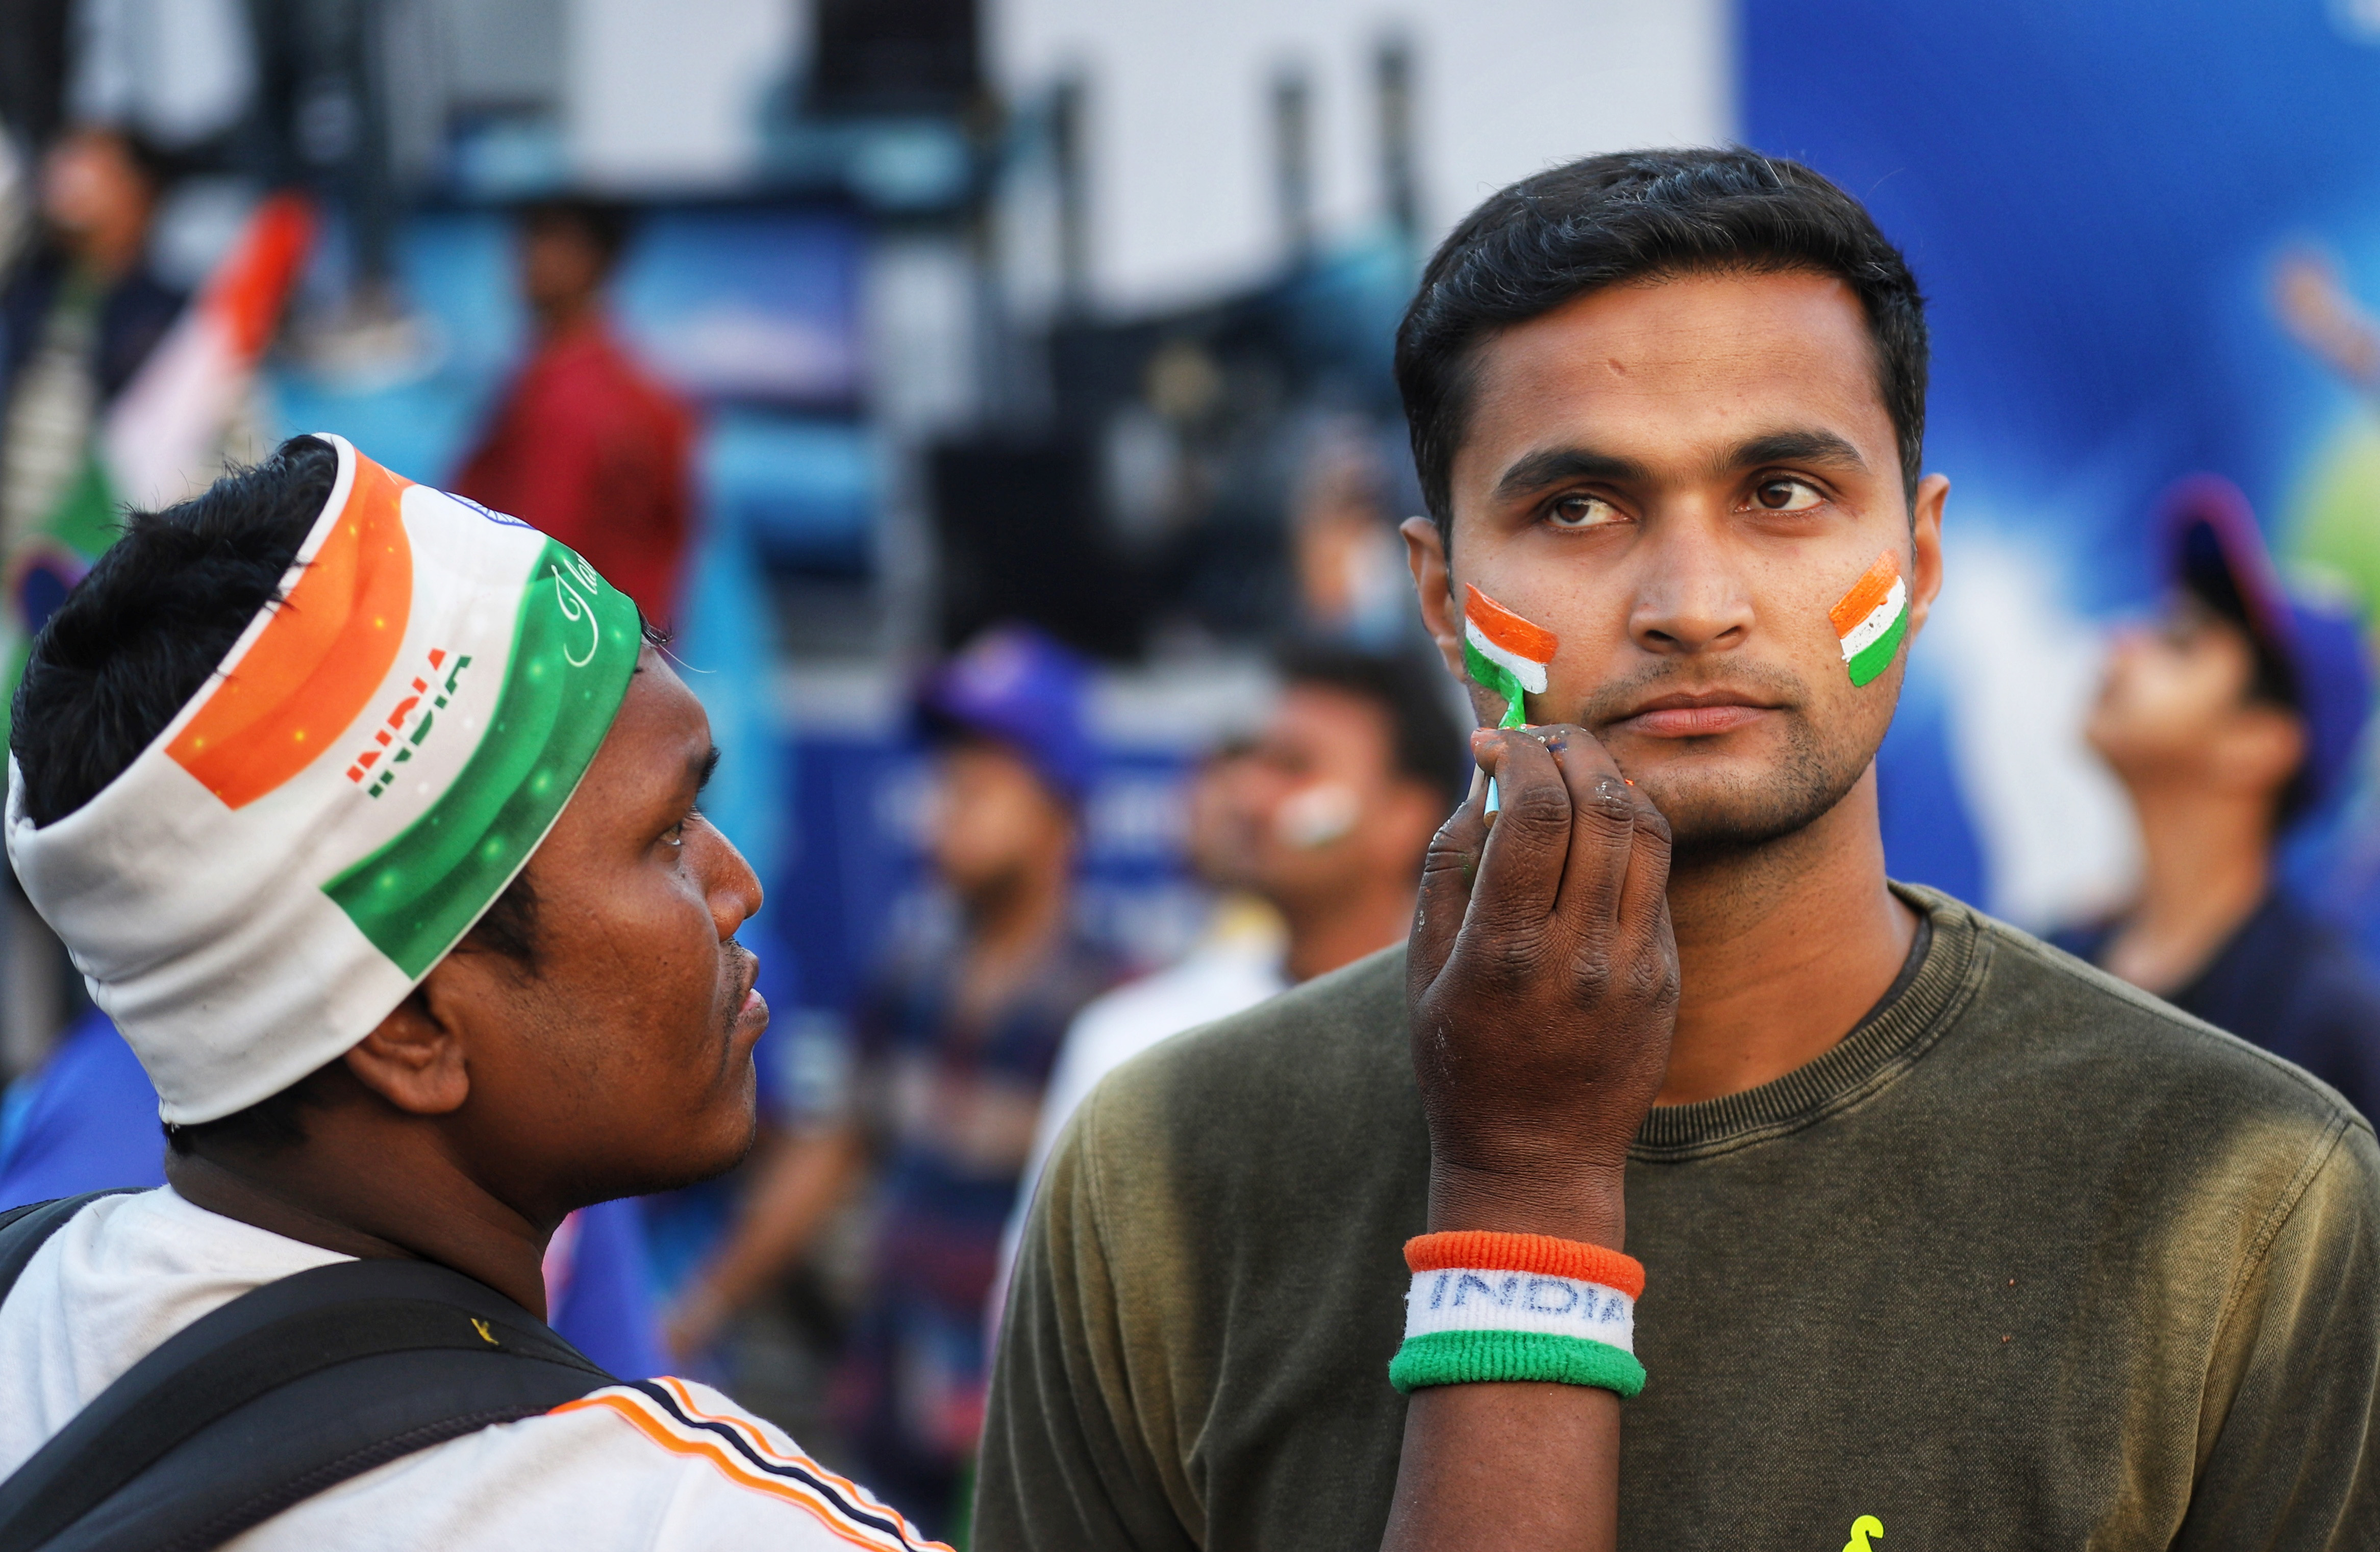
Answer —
(759, 1441)
(1866, 594)
(1507, 629)
(725, 1458)
(316, 664)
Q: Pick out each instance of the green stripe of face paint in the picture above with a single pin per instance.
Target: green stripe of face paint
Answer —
(1878, 655)
(574, 645)
(1490, 674)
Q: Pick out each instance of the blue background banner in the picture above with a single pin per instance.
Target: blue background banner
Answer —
(2098, 201)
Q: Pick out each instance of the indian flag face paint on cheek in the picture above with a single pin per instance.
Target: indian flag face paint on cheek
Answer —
(1872, 619)
(1504, 653)
(1507, 654)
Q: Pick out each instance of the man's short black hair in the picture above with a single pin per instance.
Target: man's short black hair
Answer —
(1424, 737)
(605, 226)
(141, 635)
(130, 645)
(1639, 215)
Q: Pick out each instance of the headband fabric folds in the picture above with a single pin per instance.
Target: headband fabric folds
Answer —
(375, 762)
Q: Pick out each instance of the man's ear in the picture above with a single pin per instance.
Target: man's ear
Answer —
(1925, 548)
(414, 1058)
(1434, 585)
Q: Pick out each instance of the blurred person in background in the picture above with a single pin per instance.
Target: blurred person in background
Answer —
(1320, 824)
(1344, 550)
(79, 317)
(81, 313)
(2236, 716)
(955, 1040)
(585, 445)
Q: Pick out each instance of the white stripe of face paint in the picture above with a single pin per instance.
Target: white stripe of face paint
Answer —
(1468, 1299)
(1879, 620)
(1531, 674)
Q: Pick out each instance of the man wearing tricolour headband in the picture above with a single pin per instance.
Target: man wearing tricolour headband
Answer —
(297, 882)
(1943, 1239)
(369, 815)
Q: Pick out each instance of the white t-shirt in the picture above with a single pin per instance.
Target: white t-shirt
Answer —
(666, 1464)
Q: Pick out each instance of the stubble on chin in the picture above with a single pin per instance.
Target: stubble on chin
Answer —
(1720, 808)
(1716, 815)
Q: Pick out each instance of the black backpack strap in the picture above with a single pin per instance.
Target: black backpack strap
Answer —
(289, 1389)
(24, 1230)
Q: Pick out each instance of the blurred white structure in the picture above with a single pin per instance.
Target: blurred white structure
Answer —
(1178, 159)
(665, 92)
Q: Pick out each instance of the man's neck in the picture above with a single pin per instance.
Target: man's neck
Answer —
(1781, 951)
(321, 1194)
(2206, 865)
(561, 321)
(108, 254)
(1325, 934)
(1010, 930)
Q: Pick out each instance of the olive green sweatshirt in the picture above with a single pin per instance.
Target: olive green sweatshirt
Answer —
(2029, 1260)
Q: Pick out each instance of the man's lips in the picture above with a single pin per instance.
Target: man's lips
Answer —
(751, 1009)
(1685, 715)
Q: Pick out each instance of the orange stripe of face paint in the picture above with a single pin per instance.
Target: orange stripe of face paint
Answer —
(1866, 594)
(1505, 628)
(317, 661)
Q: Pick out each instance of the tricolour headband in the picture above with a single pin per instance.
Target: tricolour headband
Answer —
(372, 765)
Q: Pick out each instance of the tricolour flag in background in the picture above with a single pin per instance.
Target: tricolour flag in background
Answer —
(1872, 618)
(1504, 653)
(160, 440)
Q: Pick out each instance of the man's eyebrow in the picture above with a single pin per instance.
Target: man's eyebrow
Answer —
(1551, 466)
(709, 767)
(1824, 448)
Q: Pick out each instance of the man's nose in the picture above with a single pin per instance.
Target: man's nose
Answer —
(736, 893)
(1692, 598)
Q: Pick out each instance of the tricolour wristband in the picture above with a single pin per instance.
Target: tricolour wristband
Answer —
(1487, 1307)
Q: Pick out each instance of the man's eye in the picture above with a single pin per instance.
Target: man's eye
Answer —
(1582, 512)
(1785, 495)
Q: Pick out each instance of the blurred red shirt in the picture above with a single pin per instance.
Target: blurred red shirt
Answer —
(588, 448)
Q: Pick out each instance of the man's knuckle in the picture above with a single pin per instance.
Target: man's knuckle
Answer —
(1612, 810)
(1538, 806)
(1512, 963)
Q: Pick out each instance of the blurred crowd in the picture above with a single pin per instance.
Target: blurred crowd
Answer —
(853, 1270)
(850, 1275)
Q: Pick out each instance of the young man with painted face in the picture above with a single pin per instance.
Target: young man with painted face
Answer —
(1945, 1237)
(370, 817)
